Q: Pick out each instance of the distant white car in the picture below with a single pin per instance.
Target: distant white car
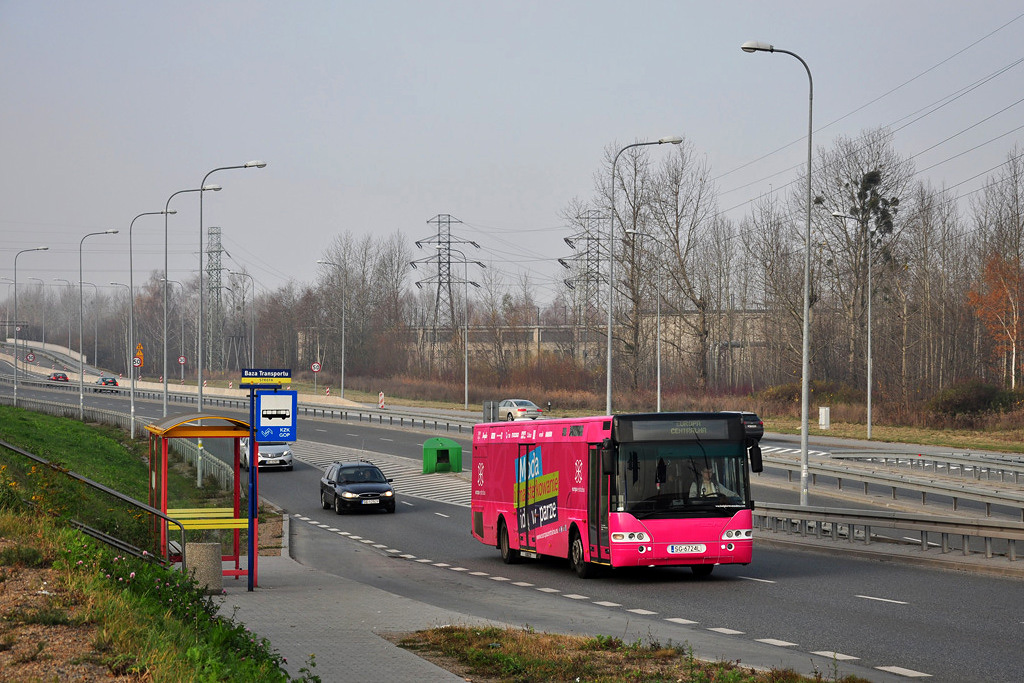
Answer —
(273, 454)
(518, 409)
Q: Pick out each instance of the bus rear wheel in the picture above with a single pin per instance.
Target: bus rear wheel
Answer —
(508, 554)
(577, 560)
(702, 570)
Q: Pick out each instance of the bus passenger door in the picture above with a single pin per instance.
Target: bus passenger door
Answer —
(598, 496)
(523, 497)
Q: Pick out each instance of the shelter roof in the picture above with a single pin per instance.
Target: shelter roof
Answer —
(187, 425)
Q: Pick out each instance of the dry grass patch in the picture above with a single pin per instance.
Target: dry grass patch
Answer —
(493, 655)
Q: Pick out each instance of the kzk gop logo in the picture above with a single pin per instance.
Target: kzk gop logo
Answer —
(579, 471)
(480, 474)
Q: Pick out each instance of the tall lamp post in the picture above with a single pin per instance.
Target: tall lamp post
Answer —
(131, 309)
(869, 244)
(167, 206)
(128, 349)
(68, 283)
(181, 339)
(199, 374)
(16, 317)
(805, 380)
(344, 304)
(252, 316)
(673, 140)
(41, 284)
(81, 310)
(95, 323)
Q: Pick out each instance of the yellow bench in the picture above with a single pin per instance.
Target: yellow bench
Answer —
(208, 518)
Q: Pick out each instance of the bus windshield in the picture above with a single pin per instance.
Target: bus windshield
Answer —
(663, 479)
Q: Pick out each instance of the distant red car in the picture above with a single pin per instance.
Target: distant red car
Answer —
(57, 377)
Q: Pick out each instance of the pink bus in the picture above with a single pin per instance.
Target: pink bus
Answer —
(657, 489)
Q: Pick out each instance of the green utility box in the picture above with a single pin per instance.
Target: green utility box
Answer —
(441, 455)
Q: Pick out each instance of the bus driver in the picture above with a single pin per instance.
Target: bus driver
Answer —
(707, 486)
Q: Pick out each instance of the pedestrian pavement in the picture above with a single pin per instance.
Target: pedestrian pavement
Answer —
(304, 611)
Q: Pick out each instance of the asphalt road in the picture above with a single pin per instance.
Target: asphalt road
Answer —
(786, 604)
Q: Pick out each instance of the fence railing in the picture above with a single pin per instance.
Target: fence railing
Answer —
(1006, 496)
(859, 526)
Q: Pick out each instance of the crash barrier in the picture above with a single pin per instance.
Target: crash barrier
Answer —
(860, 526)
(977, 466)
(990, 495)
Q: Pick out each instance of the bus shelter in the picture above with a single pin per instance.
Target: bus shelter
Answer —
(200, 426)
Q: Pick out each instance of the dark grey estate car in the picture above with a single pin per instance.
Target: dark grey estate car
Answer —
(752, 424)
(349, 486)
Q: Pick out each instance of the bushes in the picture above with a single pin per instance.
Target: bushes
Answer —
(973, 398)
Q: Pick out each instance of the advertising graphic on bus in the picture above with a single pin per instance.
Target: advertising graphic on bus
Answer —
(659, 489)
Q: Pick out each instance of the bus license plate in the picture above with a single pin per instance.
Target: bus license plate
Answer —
(687, 549)
(370, 502)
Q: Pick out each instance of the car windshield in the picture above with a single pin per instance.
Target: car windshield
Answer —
(357, 475)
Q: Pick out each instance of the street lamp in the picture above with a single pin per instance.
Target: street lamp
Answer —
(805, 381)
(252, 316)
(16, 317)
(167, 206)
(42, 295)
(131, 309)
(674, 140)
(81, 310)
(869, 244)
(344, 304)
(199, 334)
(68, 283)
(128, 350)
(181, 339)
(95, 323)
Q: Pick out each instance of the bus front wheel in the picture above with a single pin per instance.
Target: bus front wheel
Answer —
(508, 554)
(577, 560)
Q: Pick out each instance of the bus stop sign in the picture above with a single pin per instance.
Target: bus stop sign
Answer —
(275, 415)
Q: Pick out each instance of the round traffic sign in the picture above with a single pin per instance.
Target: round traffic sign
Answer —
(181, 360)
(31, 358)
(136, 362)
(315, 367)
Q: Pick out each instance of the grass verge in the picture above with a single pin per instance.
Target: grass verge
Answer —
(492, 654)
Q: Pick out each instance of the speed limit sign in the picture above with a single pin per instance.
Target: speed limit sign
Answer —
(136, 362)
(31, 358)
(315, 367)
(181, 360)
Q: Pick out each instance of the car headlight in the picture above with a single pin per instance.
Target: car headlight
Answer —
(348, 494)
(388, 494)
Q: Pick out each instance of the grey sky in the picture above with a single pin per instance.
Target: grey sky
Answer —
(374, 117)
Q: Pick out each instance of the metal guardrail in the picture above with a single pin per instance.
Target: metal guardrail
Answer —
(975, 463)
(436, 422)
(988, 495)
(853, 525)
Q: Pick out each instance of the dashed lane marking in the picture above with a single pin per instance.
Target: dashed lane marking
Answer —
(894, 602)
(726, 631)
(681, 621)
(773, 641)
(838, 656)
(900, 671)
